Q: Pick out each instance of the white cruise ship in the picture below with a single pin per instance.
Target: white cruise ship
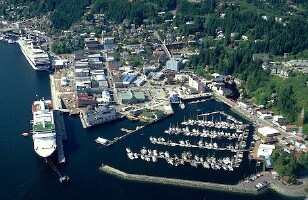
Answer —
(43, 128)
(38, 58)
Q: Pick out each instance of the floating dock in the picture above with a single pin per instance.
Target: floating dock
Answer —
(61, 134)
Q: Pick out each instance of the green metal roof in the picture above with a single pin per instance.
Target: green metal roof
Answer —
(39, 126)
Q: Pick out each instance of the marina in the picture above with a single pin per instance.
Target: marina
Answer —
(200, 144)
(239, 135)
(225, 163)
(221, 127)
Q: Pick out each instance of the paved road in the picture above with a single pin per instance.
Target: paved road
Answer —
(254, 118)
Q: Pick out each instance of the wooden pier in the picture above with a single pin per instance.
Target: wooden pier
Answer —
(128, 132)
(61, 134)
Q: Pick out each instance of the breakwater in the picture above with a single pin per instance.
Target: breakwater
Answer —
(179, 182)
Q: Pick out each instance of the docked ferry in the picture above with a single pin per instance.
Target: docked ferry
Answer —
(37, 57)
(43, 128)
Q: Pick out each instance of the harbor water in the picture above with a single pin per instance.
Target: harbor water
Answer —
(25, 175)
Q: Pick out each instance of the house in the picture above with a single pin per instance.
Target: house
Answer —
(114, 65)
(109, 57)
(217, 77)
(290, 127)
(245, 105)
(227, 92)
(279, 120)
(266, 116)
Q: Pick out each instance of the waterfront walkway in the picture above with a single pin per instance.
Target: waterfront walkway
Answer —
(178, 182)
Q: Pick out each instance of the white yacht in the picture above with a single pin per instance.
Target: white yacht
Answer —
(43, 128)
(37, 57)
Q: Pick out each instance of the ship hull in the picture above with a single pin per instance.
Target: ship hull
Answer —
(33, 65)
(43, 133)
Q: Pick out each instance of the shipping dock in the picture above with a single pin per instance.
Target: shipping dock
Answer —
(61, 134)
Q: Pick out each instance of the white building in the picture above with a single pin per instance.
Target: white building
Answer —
(267, 131)
(278, 119)
(245, 105)
(265, 150)
(266, 116)
(196, 83)
(106, 97)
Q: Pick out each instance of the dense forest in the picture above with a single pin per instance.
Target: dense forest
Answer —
(289, 164)
(136, 11)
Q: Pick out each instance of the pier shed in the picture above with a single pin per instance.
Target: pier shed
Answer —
(267, 131)
(265, 150)
(131, 97)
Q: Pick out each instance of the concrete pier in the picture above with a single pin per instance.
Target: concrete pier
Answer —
(179, 182)
(61, 134)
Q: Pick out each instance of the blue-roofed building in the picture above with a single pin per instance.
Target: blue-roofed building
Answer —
(269, 162)
(174, 98)
(128, 79)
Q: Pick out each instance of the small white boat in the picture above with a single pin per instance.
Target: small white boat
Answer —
(182, 105)
(102, 141)
(10, 41)
(25, 134)
(64, 179)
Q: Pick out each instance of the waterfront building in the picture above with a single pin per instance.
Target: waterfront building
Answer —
(59, 64)
(227, 92)
(130, 97)
(196, 83)
(265, 150)
(97, 115)
(267, 131)
(84, 101)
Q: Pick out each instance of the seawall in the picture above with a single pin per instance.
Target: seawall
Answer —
(178, 182)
